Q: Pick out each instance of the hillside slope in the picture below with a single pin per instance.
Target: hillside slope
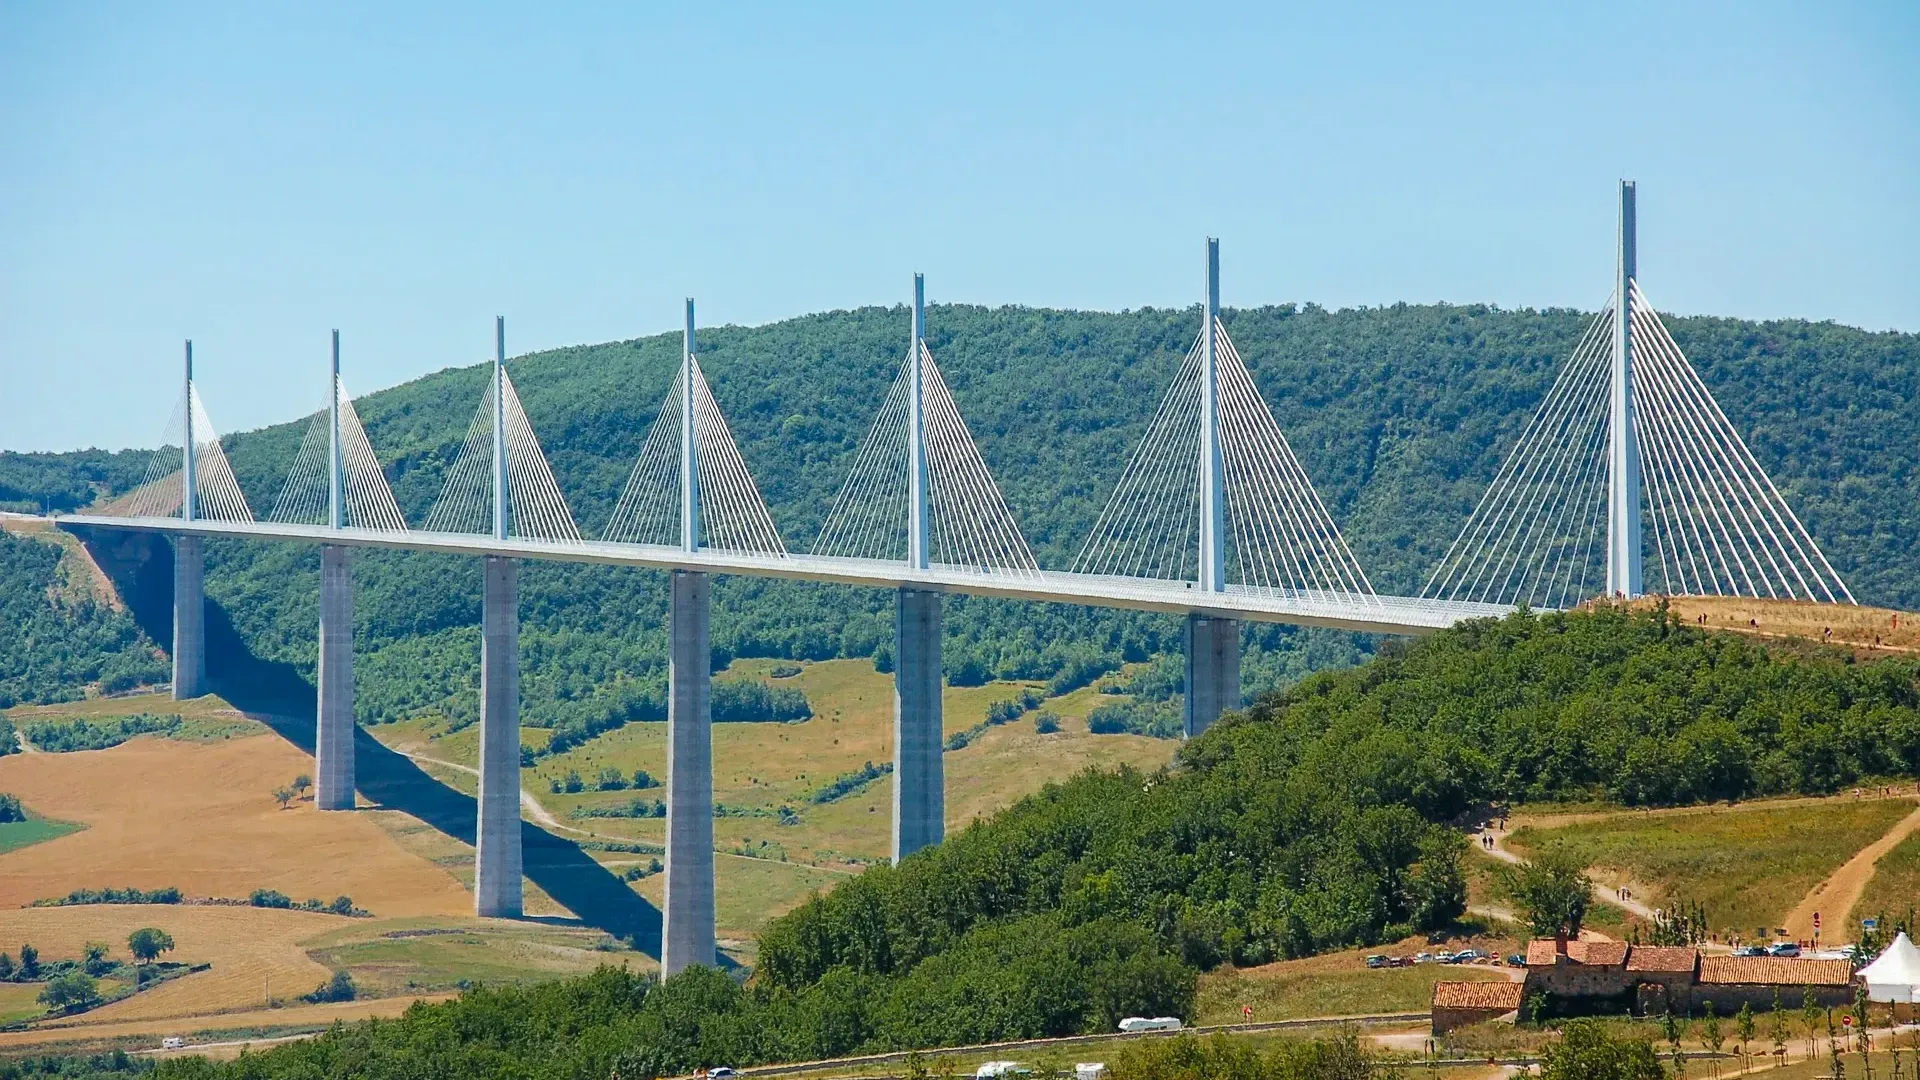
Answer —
(1400, 414)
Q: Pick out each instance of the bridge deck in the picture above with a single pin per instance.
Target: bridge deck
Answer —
(1384, 614)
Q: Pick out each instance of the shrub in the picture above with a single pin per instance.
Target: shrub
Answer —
(1159, 720)
(752, 701)
(847, 783)
(642, 779)
(574, 784)
(611, 779)
(338, 988)
(270, 898)
(67, 736)
(786, 671)
(130, 895)
(72, 992)
(10, 808)
(1045, 722)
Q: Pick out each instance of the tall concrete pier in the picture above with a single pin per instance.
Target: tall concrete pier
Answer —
(1213, 671)
(333, 743)
(919, 776)
(189, 575)
(689, 931)
(496, 882)
(189, 617)
(1213, 645)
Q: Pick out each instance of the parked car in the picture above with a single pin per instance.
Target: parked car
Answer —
(1002, 1069)
(1400, 961)
(1156, 1023)
(1376, 961)
(1750, 950)
(721, 1072)
(1517, 960)
(172, 1042)
(1465, 956)
(1423, 958)
(1784, 948)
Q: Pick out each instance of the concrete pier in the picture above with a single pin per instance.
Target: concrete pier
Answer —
(919, 776)
(189, 617)
(333, 743)
(688, 933)
(1213, 671)
(496, 880)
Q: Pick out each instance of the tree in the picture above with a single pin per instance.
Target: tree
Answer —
(147, 943)
(95, 960)
(1671, 1027)
(1778, 1030)
(6, 966)
(1587, 1051)
(284, 795)
(1810, 1016)
(70, 993)
(1552, 891)
(29, 962)
(301, 783)
(1743, 1026)
(1714, 1036)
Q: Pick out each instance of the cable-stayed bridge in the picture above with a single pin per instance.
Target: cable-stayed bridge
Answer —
(1213, 517)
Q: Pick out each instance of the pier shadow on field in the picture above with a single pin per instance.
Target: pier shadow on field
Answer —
(141, 566)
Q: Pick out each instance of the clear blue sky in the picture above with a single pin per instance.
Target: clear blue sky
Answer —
(253, 175)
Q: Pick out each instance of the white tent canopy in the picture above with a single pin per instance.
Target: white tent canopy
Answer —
(1895, 976)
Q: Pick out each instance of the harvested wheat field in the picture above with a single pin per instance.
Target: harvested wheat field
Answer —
(248, 948)
(212, 1027)
(161, 812)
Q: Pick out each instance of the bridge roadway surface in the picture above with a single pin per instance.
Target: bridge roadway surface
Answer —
(1381, 614)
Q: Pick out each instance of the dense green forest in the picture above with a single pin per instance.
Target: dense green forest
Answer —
(1400, 414)
(54, 641)
(1317, 819)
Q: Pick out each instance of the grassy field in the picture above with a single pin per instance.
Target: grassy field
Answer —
(1337, 984)
(394, 957)
(15, 835)
(1749, 865)
(1865, 630)
(20, 1001)
(1895, 887)
(759, 768)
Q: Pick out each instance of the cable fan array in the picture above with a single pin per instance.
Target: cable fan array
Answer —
(970, 526)
(732, 515)
(306, 497)
(1283, 538)
(1715, 522)
(216, 494)
(1535, 536)
(535, 507)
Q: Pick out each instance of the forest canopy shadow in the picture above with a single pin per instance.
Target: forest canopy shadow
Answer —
(141, 566)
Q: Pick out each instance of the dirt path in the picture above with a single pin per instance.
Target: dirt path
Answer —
(1837, 895)
(1600, 892)
(540, 815)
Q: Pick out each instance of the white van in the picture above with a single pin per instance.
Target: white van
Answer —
(1157, 1023)
(994, 1070)
(173, 1042)
(1090, 1070)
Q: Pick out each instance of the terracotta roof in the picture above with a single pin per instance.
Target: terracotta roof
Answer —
(1664, 958)
(1541, 952)
(1774, 971)
(1598, 953)
(1502, 995)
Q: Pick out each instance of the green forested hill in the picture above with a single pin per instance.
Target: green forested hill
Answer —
(1400, 414)
(1320, 818)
